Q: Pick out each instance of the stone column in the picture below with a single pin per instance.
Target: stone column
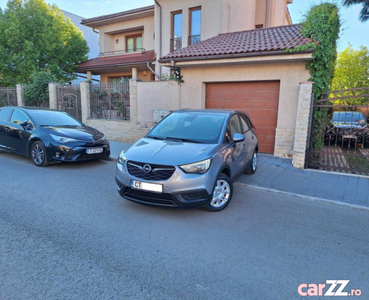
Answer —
(89, 76)
(134, 73)
(85, 101)
(302, 124)
(53, 100)
(20, 95)
(133, 100)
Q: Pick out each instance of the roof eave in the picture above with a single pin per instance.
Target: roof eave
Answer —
(230, 56)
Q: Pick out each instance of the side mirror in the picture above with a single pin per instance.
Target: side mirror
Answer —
(27, 125)
(238, 138)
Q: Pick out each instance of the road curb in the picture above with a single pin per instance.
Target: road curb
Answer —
(255, 187)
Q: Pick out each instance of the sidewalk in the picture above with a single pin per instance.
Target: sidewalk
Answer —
(277, 174)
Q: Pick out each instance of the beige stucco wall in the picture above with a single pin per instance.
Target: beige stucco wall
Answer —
(238, 15)
(289, 74)
(156, 95)
(107, 41)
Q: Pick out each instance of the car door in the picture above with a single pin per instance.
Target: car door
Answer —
(5, 114)
(239, 148)
(17, 135)
(250, 138)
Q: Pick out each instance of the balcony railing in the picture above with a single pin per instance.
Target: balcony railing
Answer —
(175, 44)
(194, 39)
(120, 52)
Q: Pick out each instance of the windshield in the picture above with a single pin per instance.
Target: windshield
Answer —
(348, 117)
(194, 127)
(53, 118)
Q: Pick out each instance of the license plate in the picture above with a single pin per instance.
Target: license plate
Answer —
(94, 150)
(152, 187)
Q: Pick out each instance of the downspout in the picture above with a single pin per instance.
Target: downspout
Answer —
(156, 74)
(161, 44)
(266, 14)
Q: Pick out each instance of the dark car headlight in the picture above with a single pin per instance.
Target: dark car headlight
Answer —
(200, 167)
(62, 139)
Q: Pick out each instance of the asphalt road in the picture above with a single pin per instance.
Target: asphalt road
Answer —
(65, 233)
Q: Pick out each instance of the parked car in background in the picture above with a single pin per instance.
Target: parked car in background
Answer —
(189, 159)
(349, 119)
(47, 135)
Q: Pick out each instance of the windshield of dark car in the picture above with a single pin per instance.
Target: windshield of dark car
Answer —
(52, 118)
(191, 127)
(348, 117)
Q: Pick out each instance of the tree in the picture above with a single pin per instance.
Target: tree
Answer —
(37, 37)
(37, 89)
(352, 69)
(364, 14)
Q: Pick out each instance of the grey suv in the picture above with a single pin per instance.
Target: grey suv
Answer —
(189, 159)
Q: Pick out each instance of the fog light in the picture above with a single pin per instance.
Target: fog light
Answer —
(57, 154)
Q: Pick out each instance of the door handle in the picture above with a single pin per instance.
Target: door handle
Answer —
(7, 129)
(243, 145)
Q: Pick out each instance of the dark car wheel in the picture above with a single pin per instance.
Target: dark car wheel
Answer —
(222, 194)
(38, 154)
(254, 164)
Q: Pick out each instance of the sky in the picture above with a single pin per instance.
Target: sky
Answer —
(352, 31)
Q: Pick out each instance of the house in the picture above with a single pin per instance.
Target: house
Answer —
(231, 54)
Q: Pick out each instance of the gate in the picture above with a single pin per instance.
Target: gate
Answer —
(69, 100)
(110, 101)
(8, 96)
(339, 132)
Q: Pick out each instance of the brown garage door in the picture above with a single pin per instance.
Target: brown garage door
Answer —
(258, 99)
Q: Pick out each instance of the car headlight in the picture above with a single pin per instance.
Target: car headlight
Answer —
(200, 167)
(122, 158)
(62, 139)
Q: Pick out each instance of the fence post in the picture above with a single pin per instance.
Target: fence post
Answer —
(302, 124)
(133, 100)
(20, 95)
(53, 99)
(85, 100)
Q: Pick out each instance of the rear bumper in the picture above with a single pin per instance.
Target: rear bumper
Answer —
(184, 199)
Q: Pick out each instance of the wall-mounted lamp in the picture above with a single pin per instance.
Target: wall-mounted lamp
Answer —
(144, 73)
(117, 41)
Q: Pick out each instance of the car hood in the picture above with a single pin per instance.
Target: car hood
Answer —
(84, 133)
(169, 152)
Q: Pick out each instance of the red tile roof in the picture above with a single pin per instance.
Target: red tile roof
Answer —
(117, 61)
(119, 14)
(243, 43)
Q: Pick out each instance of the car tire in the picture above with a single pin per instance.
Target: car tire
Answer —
(38, 154)
(254, 164)
(222, 194)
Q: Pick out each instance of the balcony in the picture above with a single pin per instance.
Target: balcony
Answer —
(175, 44)
(121, 52)
(194, 39)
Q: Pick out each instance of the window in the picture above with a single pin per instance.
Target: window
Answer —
(259, 26)
(195, 26)
(234, 125)
(5, 114)
(18, 117)
(245, 125)
(176, 40)
(134, 43)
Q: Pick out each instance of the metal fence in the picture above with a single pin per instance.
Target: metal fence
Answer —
(69, 100)
(339, 132)
(110, 101)
(8, 96)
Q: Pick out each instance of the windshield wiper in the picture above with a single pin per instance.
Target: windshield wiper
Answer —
(154, 137)
(182, 140)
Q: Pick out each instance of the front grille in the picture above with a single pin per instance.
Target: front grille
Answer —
(150, 198)
(158, 172)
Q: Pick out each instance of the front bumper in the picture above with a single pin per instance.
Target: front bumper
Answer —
(180, 190)
(76, 151)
